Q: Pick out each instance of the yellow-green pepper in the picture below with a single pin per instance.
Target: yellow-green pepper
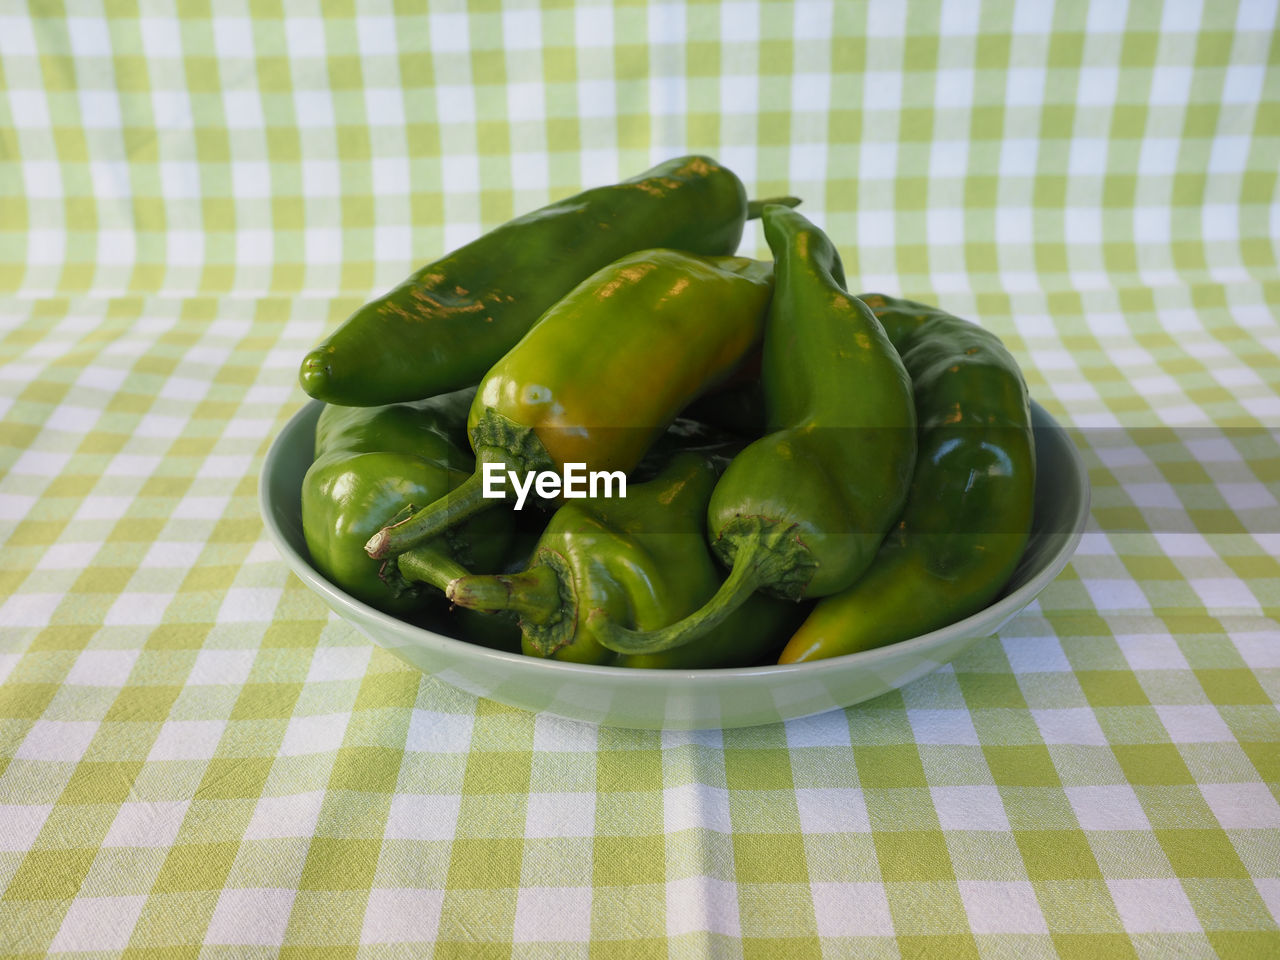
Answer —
(602, 374)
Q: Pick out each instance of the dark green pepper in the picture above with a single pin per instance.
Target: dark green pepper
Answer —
(602, 374)
(802, 511)
(646, 561)
(453, 319)
(370, 463)
(969, 510)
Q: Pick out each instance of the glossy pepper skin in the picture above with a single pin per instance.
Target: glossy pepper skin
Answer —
(370, 463)
(603, 372)
(645, 560)
(969, 511)
(801, 512)
(444, 326)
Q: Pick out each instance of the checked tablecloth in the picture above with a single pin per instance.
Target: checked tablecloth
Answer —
(197, 761)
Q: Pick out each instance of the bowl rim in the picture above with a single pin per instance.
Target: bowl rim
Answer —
(1000, 610)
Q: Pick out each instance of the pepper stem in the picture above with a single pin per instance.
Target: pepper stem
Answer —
(747, 576)
(461, 503)
(430, 564)
(533, 595)
(755, 208)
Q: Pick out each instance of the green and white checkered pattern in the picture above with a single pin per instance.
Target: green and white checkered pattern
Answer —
(196, 760)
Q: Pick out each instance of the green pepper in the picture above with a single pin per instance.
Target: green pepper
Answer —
(645, 560)
(601, 375)
(969, 510)
(500, 631)
(802, 511)
(444, 326)
(370, 463)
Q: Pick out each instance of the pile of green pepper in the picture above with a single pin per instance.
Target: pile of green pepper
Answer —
(812, 473)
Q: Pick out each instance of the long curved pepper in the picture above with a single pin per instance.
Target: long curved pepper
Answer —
(801, 512)
(968, 514)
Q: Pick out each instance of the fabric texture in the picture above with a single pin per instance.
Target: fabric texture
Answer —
(197, 760)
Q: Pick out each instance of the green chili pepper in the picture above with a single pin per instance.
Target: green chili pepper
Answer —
(802, 511)
(453, 319)
(501, 632)
(644, 559)
(969, 511)
(371, 462)
(602, 374)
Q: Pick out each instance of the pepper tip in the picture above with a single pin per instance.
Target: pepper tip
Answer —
(755, 208)
(315, 373)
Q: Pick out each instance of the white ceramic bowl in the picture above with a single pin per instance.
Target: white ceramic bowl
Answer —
(685, 699)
